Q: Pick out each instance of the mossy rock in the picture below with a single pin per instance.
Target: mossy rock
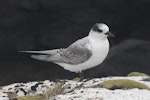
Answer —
(123, 84)
(76, 79)
(36, 97)
(137, 74)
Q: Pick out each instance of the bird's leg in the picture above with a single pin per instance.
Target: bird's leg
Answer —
(81, 75)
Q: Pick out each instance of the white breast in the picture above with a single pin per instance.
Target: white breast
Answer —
(99, 50)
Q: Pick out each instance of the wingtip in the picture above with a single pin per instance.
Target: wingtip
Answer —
(34, 56)
(40, 57)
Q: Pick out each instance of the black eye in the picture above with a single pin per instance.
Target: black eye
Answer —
(99, 30)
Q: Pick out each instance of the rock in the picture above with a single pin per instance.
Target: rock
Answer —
(146, 79)
(83, 90)
(123, 84)
(137, 74)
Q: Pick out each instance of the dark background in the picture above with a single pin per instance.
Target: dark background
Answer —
(51, 24)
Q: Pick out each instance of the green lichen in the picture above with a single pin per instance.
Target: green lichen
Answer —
(14, 96)
(76, 79)
(137, 74)
(123, 84)
(36, 97)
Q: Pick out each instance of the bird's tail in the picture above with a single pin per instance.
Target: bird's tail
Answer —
(50, 52)
(44, 55)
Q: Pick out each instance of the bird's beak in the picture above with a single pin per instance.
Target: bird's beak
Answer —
(110, 34)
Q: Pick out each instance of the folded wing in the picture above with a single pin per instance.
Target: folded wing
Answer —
(75, 54)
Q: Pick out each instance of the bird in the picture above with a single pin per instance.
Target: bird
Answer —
(81, 55)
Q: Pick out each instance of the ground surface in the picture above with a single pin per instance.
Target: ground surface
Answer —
(74, 90)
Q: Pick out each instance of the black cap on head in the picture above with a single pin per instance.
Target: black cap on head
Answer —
(96, 28)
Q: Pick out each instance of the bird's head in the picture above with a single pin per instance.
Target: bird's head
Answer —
(101, 30)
